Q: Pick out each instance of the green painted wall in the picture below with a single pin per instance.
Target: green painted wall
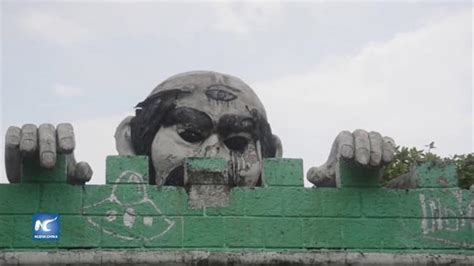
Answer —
(283, 215)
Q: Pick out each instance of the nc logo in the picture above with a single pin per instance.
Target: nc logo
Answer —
(45, 226)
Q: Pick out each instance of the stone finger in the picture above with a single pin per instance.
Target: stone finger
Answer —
(13, 155)
(321, 176)
(362, 146)
(47, 145)
(376, 147)
(388, 153)
(345, 144)
(29, 140)
(65, 138)
(83, 173)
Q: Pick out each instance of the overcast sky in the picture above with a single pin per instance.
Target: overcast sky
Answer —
(403, 69)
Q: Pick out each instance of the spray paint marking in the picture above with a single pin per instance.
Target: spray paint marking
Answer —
(442, 223)
(129, 220)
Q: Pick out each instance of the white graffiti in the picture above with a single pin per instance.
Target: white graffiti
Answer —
(148, 221)
(129, 216)
(439, 216)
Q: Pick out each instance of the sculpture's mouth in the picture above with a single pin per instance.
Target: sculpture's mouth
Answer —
(176, 177)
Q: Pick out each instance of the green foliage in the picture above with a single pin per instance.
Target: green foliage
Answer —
(405, 157)
(465, 168)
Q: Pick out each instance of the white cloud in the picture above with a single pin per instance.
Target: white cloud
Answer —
(53, 26)
(415, 87)
(66, 91)
(68, 24)
(244, 17)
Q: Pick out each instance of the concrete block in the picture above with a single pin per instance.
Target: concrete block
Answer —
(34, 173)
(374, 233)
(320, 233)
(203, 196)
(172, 201)
(205, 171)
(236, 205)
(283, 233)
(61, 198)
(354, 175)
(127, 170)
(264, 201)
(116, 233)
(170, 235)
(244, 232)
(385, 203)
(7, 223)
(431, 175)
(19, 198)
(416, 203)
(301, 202)
(96, 200)
(77, 232)
(23, 232)
(339, 202)
(283, 172)
(204, 232)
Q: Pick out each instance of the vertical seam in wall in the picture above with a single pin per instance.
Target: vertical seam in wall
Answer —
(224, 245)
(264, 236)
(281, 207)
(82, 200)
(142, 238)
(301, 232)
(40, 200)
(182, 231)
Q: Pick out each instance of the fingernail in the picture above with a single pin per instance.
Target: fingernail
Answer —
(48, 159)
(27, 145)
(347, 152)
(67, 142)
(362, 156)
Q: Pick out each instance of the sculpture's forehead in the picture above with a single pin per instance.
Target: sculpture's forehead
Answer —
(213, 92)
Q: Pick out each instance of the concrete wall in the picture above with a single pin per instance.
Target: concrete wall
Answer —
(282, 216)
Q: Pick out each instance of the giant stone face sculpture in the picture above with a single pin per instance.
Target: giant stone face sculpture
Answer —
(200, 114)
(194, 114)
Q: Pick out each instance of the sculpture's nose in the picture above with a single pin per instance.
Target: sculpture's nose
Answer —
(212, 147)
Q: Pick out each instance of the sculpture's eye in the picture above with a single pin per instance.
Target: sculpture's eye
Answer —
(219, 94)
(236, 143)
(190, 135)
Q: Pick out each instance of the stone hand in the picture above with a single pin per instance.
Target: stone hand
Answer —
(368, 149)
(43, 143)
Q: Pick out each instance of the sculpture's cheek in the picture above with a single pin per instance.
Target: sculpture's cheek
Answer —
(168, 152)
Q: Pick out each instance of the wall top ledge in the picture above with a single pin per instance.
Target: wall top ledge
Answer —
(91, 257)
